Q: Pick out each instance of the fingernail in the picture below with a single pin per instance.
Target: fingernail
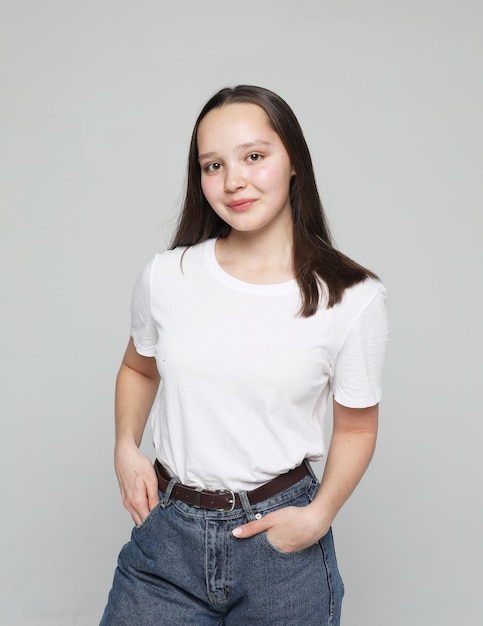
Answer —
(237, 532)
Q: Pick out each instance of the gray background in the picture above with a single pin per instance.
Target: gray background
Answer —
(98, 99)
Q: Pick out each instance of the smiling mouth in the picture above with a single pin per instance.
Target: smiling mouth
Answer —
(241, 205)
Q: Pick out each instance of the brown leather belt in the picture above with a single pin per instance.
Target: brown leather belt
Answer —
(225, 499)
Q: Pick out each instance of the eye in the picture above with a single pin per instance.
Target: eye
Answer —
(254, 157)
(212, 167)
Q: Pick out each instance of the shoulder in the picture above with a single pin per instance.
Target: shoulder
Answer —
(363, 293)
(171, 266)
(366, 299)
(167, 259)
(180, 259)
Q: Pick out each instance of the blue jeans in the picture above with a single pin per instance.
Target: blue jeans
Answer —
(183, 566)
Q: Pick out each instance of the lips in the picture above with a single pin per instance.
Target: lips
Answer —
(241, 205)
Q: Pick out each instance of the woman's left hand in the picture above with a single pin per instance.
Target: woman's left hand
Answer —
(289, 529)
(351, 447)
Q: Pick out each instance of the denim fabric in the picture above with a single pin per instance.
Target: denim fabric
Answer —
(184, 567)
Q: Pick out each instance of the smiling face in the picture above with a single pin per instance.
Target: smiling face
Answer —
(245, 169)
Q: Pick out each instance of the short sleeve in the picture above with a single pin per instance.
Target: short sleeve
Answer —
(357, 374)
(143, 329)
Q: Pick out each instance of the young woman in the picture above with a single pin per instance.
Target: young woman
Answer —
(249, 320)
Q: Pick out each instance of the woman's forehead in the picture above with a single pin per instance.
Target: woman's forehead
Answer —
(237, 124)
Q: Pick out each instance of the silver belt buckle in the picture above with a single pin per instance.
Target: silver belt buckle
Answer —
(231, 501)
(197, 497)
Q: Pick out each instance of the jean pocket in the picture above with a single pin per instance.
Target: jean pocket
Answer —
(150, 517)
(300, 501)
(282, 553)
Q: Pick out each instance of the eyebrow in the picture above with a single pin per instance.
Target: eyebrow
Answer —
(242, 146)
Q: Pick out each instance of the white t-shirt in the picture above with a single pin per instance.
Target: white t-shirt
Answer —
(245, 379)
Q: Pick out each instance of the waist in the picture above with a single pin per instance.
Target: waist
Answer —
(225, 499)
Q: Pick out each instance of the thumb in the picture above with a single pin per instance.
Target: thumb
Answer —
(251, 528)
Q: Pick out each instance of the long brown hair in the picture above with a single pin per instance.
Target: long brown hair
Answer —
(314, 255)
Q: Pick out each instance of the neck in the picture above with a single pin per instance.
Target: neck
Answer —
(257, 257)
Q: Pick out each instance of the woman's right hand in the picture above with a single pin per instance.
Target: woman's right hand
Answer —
(137, 480)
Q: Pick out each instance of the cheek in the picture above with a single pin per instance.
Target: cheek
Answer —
(265, 178)
(208, 187)
(274, 179)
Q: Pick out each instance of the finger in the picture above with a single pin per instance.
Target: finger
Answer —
(153, 493)
(129, 506)
(126, 501)
(140, 501)
(135, 517)
(252, 528)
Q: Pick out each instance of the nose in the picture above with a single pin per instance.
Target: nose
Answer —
(234, 179)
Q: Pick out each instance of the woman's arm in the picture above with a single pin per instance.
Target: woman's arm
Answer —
(351, 449)
(136, 387)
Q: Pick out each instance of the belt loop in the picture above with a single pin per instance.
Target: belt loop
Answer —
(247, 507)
(167, 493)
